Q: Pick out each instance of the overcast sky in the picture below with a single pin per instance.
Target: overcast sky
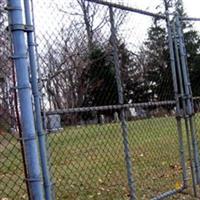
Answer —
(192, 7)
(49, 20)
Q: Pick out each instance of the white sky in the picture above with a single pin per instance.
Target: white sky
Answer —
(192, 7)
(49, 19)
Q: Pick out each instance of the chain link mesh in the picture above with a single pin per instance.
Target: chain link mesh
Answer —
(90, 152)
(78, 78)
(12, 184)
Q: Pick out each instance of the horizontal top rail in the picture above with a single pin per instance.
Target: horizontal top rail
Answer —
(190, 19)
(139, 11)
(127, 8)
(111, 107)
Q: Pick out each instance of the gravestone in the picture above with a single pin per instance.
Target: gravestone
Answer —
(116, 117)
(53, 123)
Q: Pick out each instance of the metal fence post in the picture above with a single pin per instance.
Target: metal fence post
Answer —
(184, 113)
(36, 95)
(178, 110)
(188, 98)
(17, 115)
(124, 125)
(23, 86)
(176, 92)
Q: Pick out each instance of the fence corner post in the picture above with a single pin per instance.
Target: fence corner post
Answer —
(36, 96)
(25, 98)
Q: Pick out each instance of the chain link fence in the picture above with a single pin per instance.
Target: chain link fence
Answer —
(12, 167)
(109, 107)
(88, 114)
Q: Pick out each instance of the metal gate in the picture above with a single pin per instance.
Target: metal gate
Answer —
(110, 100)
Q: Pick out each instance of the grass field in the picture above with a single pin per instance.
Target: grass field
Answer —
(87, 162)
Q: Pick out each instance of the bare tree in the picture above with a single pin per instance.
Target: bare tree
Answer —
(5, 67)
(67, 59)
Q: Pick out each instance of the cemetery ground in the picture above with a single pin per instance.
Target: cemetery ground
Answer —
(87, 162)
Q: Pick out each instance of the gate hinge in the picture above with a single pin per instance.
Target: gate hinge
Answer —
(21, 27)
(10, 8)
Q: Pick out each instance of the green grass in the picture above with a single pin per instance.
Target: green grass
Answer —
(87, 162)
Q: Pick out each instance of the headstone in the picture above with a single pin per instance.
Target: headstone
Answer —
(116, 117)
(102, 119)
(53, 123)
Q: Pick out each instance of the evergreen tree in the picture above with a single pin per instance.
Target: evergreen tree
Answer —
(100, 79)
(157, 62)
(132, 76)
(158, 81)
(192, 42)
